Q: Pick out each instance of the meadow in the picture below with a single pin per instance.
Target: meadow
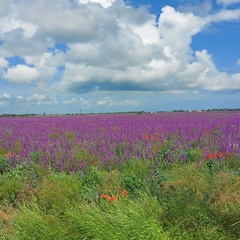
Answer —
(120, 176)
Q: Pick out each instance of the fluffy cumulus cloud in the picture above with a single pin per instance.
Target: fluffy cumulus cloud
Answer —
(82, 46)
(133, 59)
(3, 63)
(21, 74)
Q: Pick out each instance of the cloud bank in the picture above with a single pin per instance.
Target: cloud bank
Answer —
(80, 46)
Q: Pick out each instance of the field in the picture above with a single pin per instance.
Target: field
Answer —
(120, 176)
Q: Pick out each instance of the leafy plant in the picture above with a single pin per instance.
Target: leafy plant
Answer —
(132, 183)
(3, 164)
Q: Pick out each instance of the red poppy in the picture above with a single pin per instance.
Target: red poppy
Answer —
(210, 156)
(104, 195)
(124, 193)
(115, 197)
(218, 155)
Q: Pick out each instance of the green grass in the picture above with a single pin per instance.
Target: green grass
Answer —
(178, 201)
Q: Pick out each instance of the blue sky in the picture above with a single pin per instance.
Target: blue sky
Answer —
(86, 56)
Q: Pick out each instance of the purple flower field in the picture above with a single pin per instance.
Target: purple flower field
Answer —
(70, 143)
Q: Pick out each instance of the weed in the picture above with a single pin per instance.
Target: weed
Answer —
(3, 164)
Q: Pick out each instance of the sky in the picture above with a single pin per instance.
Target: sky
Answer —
(91, 56)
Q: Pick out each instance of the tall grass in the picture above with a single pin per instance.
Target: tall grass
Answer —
(189, 202)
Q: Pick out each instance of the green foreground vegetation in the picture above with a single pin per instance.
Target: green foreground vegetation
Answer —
(178, 201)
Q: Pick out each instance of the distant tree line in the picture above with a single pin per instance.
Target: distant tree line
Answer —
(133, 112)
(210, 110)
(17, 115)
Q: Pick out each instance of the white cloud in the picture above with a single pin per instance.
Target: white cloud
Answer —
(8, 25)
(21, 74)
(3, 63)
(176, 91)
(175, 26)
(19, 97)
(147, 32)
(108, 46)
(36, 97)
(200, 9)
(128, 103)
(4, 99)
(41, 99)
(224, 15)
(234, 82)
(6, 96)
(227, 2)
(2, 104)
(138, 62)
(104, 3)
(80, 102)
(46, 65)
(107, 101)
(5, 7)
(46, 59)
(67, 21)
(70, 101)
(238, 62)
(203, 74)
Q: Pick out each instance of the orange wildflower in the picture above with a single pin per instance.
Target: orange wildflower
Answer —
(146, 136)
(109, 198)
(113, 198)
(210, 156)
(104, 195)
(7, 155)
(124, 193)
(150, 137)
(11, 155)
(218, 155)
(208, 133)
